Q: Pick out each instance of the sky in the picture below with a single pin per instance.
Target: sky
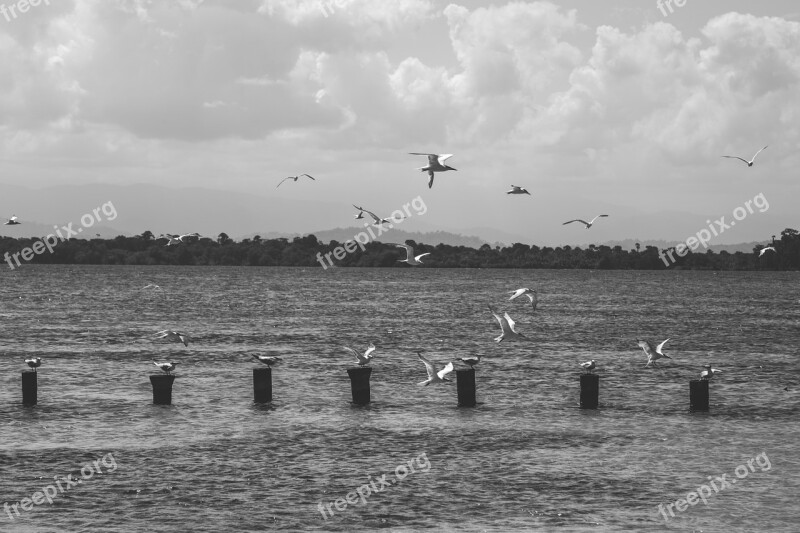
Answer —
(619, 107)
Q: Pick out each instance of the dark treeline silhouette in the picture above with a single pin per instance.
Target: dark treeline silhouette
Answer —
(307, 251)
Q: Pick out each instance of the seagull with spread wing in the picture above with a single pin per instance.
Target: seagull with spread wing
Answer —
(173, 336)
(507, 327)
(13, 221)
(376, 221)
(518, 190)
(749, 163)
(411, 259)
(165, 366)
(434, 376)
(766, 249)
(295, 178)
(362, 359)
(436, 163)
(653, 354)
(530, 293)
(587, 224)
(709, 372)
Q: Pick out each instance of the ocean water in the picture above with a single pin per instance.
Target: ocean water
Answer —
(527, 458)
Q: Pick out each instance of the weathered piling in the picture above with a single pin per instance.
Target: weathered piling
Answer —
(359, 384)
(262, 385)
(30, 387)
(590, 391)
(465, 384)
(698, 395)
(162, 388)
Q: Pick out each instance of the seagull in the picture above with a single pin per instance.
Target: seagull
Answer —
(507, 327)
(518, 190)
(375, 220)
(471, 361)
(295, 178)
(587, 224)
(530, 293)
(411, 259)
(33, 362)
(433, 376)
(151, 286)
(764, 250)
(749, 163)
(166, 367)
(189, 236)
(12, 221)
(173, 336)
(709, 372)
(171, 239)
(589, 366)
(653, 354)
(362, 359)
(267, 359)
(436, 163)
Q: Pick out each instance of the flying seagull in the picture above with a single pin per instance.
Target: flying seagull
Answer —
(436, 163)
(166, 367)
(173, 336)
(376, 221)
(589, 366)
(749, 163)
(530, 293)
(518, 190)
(471, 361)
(362, 359)
(506, 326)
(33, 362)
(267, 359)
(295, 178)
(709, 372)
(587, 224)
(188, 237)
(433, 376)
(653, 354)
(12, 221)
(765, 249)
(411, 259)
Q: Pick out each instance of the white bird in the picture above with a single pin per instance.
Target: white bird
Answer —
(530, 293)
(518, 190)
(166, 367)
(589, 366)
(411, 259)
(33, 362)
(653, 354)
(13, 221)
(295, 178)
(267, 359)
(189, 236)
(173, 336)
(376, 221)
(171, 239)
(749, 163)
(433, 376)
(587, 224)
(362, 359)
(506, 326)
(709, 372)
(436, 163)
(764, 250)
(471, 361)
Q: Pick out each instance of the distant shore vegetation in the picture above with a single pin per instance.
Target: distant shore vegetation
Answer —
(146, 249)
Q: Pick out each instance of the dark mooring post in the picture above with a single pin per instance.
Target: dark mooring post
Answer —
(262, 385)
(698, 395)
(465, 383)
(30, 387)
(162, 388)
(359, 384)
(590, 391)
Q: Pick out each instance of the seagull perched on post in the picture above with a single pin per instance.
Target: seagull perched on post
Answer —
(589, 366)
(411, 259)
(165, 366)
(362, 359)
(749, 163)
(173, 336)
(33, 362)
(530, 293)
(433, 375)
(506, 326)
(587, 224)
(267, 359)
(518, 190)
(709, 372)
(471, 361)
(295, 178)
(653, 354)
(765, 249)
(12, 221)
(436, 163)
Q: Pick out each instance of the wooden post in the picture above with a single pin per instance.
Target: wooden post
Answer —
(262, 385)
(359, 384)
(162, 388)
(30, 387)
(590, 391)
(698, 395)
(465, 383)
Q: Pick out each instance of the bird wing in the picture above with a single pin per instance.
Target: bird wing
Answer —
(658, 348)
(518, 292)
(284, 179)
(428, 366)
(312, 177)
(359, 208)
(351, 351)
(736, 157)
(409, 250)
(510, 323)
(446, 370)
(374, 217)
(754, 157)
(576, 220)
(370, 349)
(444, 157)
(184, 339)
(595, 218)
(646, 346)
(420, 256)
(432, 158)
(496, 316)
